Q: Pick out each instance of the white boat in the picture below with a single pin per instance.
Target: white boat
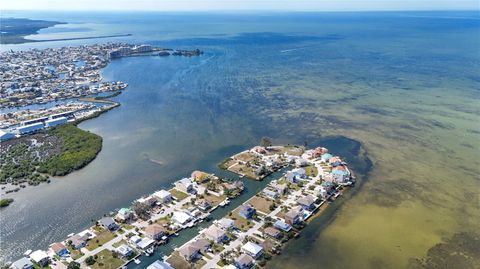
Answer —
(27, 253)
(137, 261)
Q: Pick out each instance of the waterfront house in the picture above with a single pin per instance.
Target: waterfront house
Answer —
(149, 201)
(159, 265)
(295, 175)
(185, 185)
(340, 174)
(40, 257)
(154, 231)
(307, 202)
(124, 251)
(216, 234)
(108, 223)
(270, 194)
(201, 244)
(252, 249)
(163, 196)
(325, 157)
(272, 232)
(78, 241)
(22, 263)
(335, 161)
(279, 188)
(181, 218)
(300, 162)
(226, 223)
(244, 261)
(124, 214)
(135, 239)
(200, 177)
(246, 211)
(145, 243)
(189, 252)
(59, 249)
(280, 224)
(203, 204)
(293, 216)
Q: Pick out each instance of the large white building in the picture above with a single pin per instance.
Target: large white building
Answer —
(4, 135)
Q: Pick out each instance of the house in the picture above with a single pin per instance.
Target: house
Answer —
(78, 241)
(22, 263)
(124, 214)
(307, 202)
(189, 252)
(226, 223)
(159, 265)
(295, 175)
(135, 239)
(261, 170)
(124, 250)
(108, 223)
(185, 185)
(200, 177)
(300, 162)
(40, 257)
(270, 194)
(279, 188)
(252, 249)
(180, 217)
(335, 161)
(201, 244)
(163, 196)
(340, 174)
(280, 224)
(145, 243)
(293, 216)
(216, 234)
(233, 186)
(244, 261)
(246, 211)
(154, 231)
(150, 201)
(272, 232)
(325, 157)
(258, 149)
(59, 249)
(203, 204)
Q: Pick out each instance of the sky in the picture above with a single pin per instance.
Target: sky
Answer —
(218, 5)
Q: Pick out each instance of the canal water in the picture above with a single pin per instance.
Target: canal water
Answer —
(400, 86)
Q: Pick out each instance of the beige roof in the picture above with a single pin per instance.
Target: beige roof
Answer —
(213, 232)
(154, 229)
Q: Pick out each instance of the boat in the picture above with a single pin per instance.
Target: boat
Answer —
(27, 253)
(137, 261)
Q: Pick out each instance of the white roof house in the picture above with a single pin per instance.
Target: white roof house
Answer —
(226, 223)
(39, 256)
(181, 217)
(252, 249)
(159, 265)
(163, 195)
(145, 243)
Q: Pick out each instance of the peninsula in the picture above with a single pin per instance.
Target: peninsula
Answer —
(249, 235)
(36, 144)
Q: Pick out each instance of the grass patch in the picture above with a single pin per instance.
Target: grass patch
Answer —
(261, 204)
(119, 243)
(240, 222)
(103, 236)
(74, 253)
(179, 195)
(106, 260)
(311, 171)
(178, 262)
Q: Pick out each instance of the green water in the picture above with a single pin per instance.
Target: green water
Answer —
(404, 85)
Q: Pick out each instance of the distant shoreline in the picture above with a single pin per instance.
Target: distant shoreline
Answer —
(76, 38)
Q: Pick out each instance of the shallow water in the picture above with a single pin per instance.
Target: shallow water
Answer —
(405, 85)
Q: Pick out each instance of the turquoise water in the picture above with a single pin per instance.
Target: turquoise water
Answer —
(404, 85)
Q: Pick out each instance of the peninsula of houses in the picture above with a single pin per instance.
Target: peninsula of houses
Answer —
(247, 237)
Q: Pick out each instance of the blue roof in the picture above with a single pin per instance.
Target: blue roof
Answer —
(326, 156)
(282, 225)
(340, 172)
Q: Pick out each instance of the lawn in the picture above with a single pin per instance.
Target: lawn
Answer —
(179, 195)
(214, 200)
(240, 222)
(261, 204)
(226, 163)
(311, 170)
(103, 236)
(245, 156)
(119, 243)
(74, 253)
(242, 169)
(177, 262)
(106, 260)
